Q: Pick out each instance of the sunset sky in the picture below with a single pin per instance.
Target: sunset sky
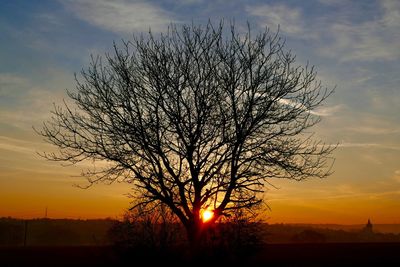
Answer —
(355, 46)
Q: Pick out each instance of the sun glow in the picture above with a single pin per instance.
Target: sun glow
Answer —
(207, 215)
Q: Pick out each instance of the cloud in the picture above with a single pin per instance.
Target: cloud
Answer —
(16, 145)
(10, 83)
(321, 111)
(289, 19)
(327, 111)
(370, 130)
(120, 16)
(331, 192)
(22, 146)
(332, 2)
(33, 109)
(368, 145)
(396, 176)
(372, 127)
(189, 2)
(11, 78)
(392, 12)
(26, 101)
(336, 35)
(374, 39)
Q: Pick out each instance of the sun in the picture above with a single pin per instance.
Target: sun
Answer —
(207, 215)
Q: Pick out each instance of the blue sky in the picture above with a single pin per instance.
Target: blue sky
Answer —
(355, 46)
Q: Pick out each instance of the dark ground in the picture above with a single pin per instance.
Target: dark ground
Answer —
(323, 254)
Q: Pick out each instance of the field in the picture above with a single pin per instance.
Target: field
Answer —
(328, 254)
(47, 242)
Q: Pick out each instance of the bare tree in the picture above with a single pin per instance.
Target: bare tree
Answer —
(155, 228)
(199, 117)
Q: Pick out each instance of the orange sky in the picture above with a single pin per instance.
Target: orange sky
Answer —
(27, 191)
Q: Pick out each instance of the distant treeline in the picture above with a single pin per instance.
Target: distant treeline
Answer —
(53, 232)
(283, 233)
(378, 228)
(69, 232)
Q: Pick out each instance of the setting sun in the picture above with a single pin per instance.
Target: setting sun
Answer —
(206, 215)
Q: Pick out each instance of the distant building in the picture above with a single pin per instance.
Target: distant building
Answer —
(367, 234)
(368, 227)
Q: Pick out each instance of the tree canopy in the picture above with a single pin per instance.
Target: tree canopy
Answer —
(198, 117)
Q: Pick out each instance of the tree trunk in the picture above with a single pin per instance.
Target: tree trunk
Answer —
(195, 234)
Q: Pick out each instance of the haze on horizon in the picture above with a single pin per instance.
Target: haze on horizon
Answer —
(354, 46)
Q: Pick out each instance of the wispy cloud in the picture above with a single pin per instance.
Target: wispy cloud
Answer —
(33, 108)
(346, 39)
(332, 2)
(27, 101)
(392, 12)
(5, 145)
(321, 111)
(189, 2)
(11, 78)
(120, 16)
(10, 82)
(327, 111)
(372, 127)
(340, 191)
(368, 145)
(374, 39)
(289, 19)
(374, 130)
(396, 176)
(18, 145)
(30, 150)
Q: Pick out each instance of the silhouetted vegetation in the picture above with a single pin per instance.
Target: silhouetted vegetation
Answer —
(199, 117)
(153, 233)
(128, 242)
(283, 233)
(11, 232)
(309, 236)
(156, 229)
(51, 232)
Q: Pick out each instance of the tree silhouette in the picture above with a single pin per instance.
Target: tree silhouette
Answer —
(199, 117)
(150, 229)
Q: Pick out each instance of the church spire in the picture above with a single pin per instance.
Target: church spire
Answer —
(368, 226)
